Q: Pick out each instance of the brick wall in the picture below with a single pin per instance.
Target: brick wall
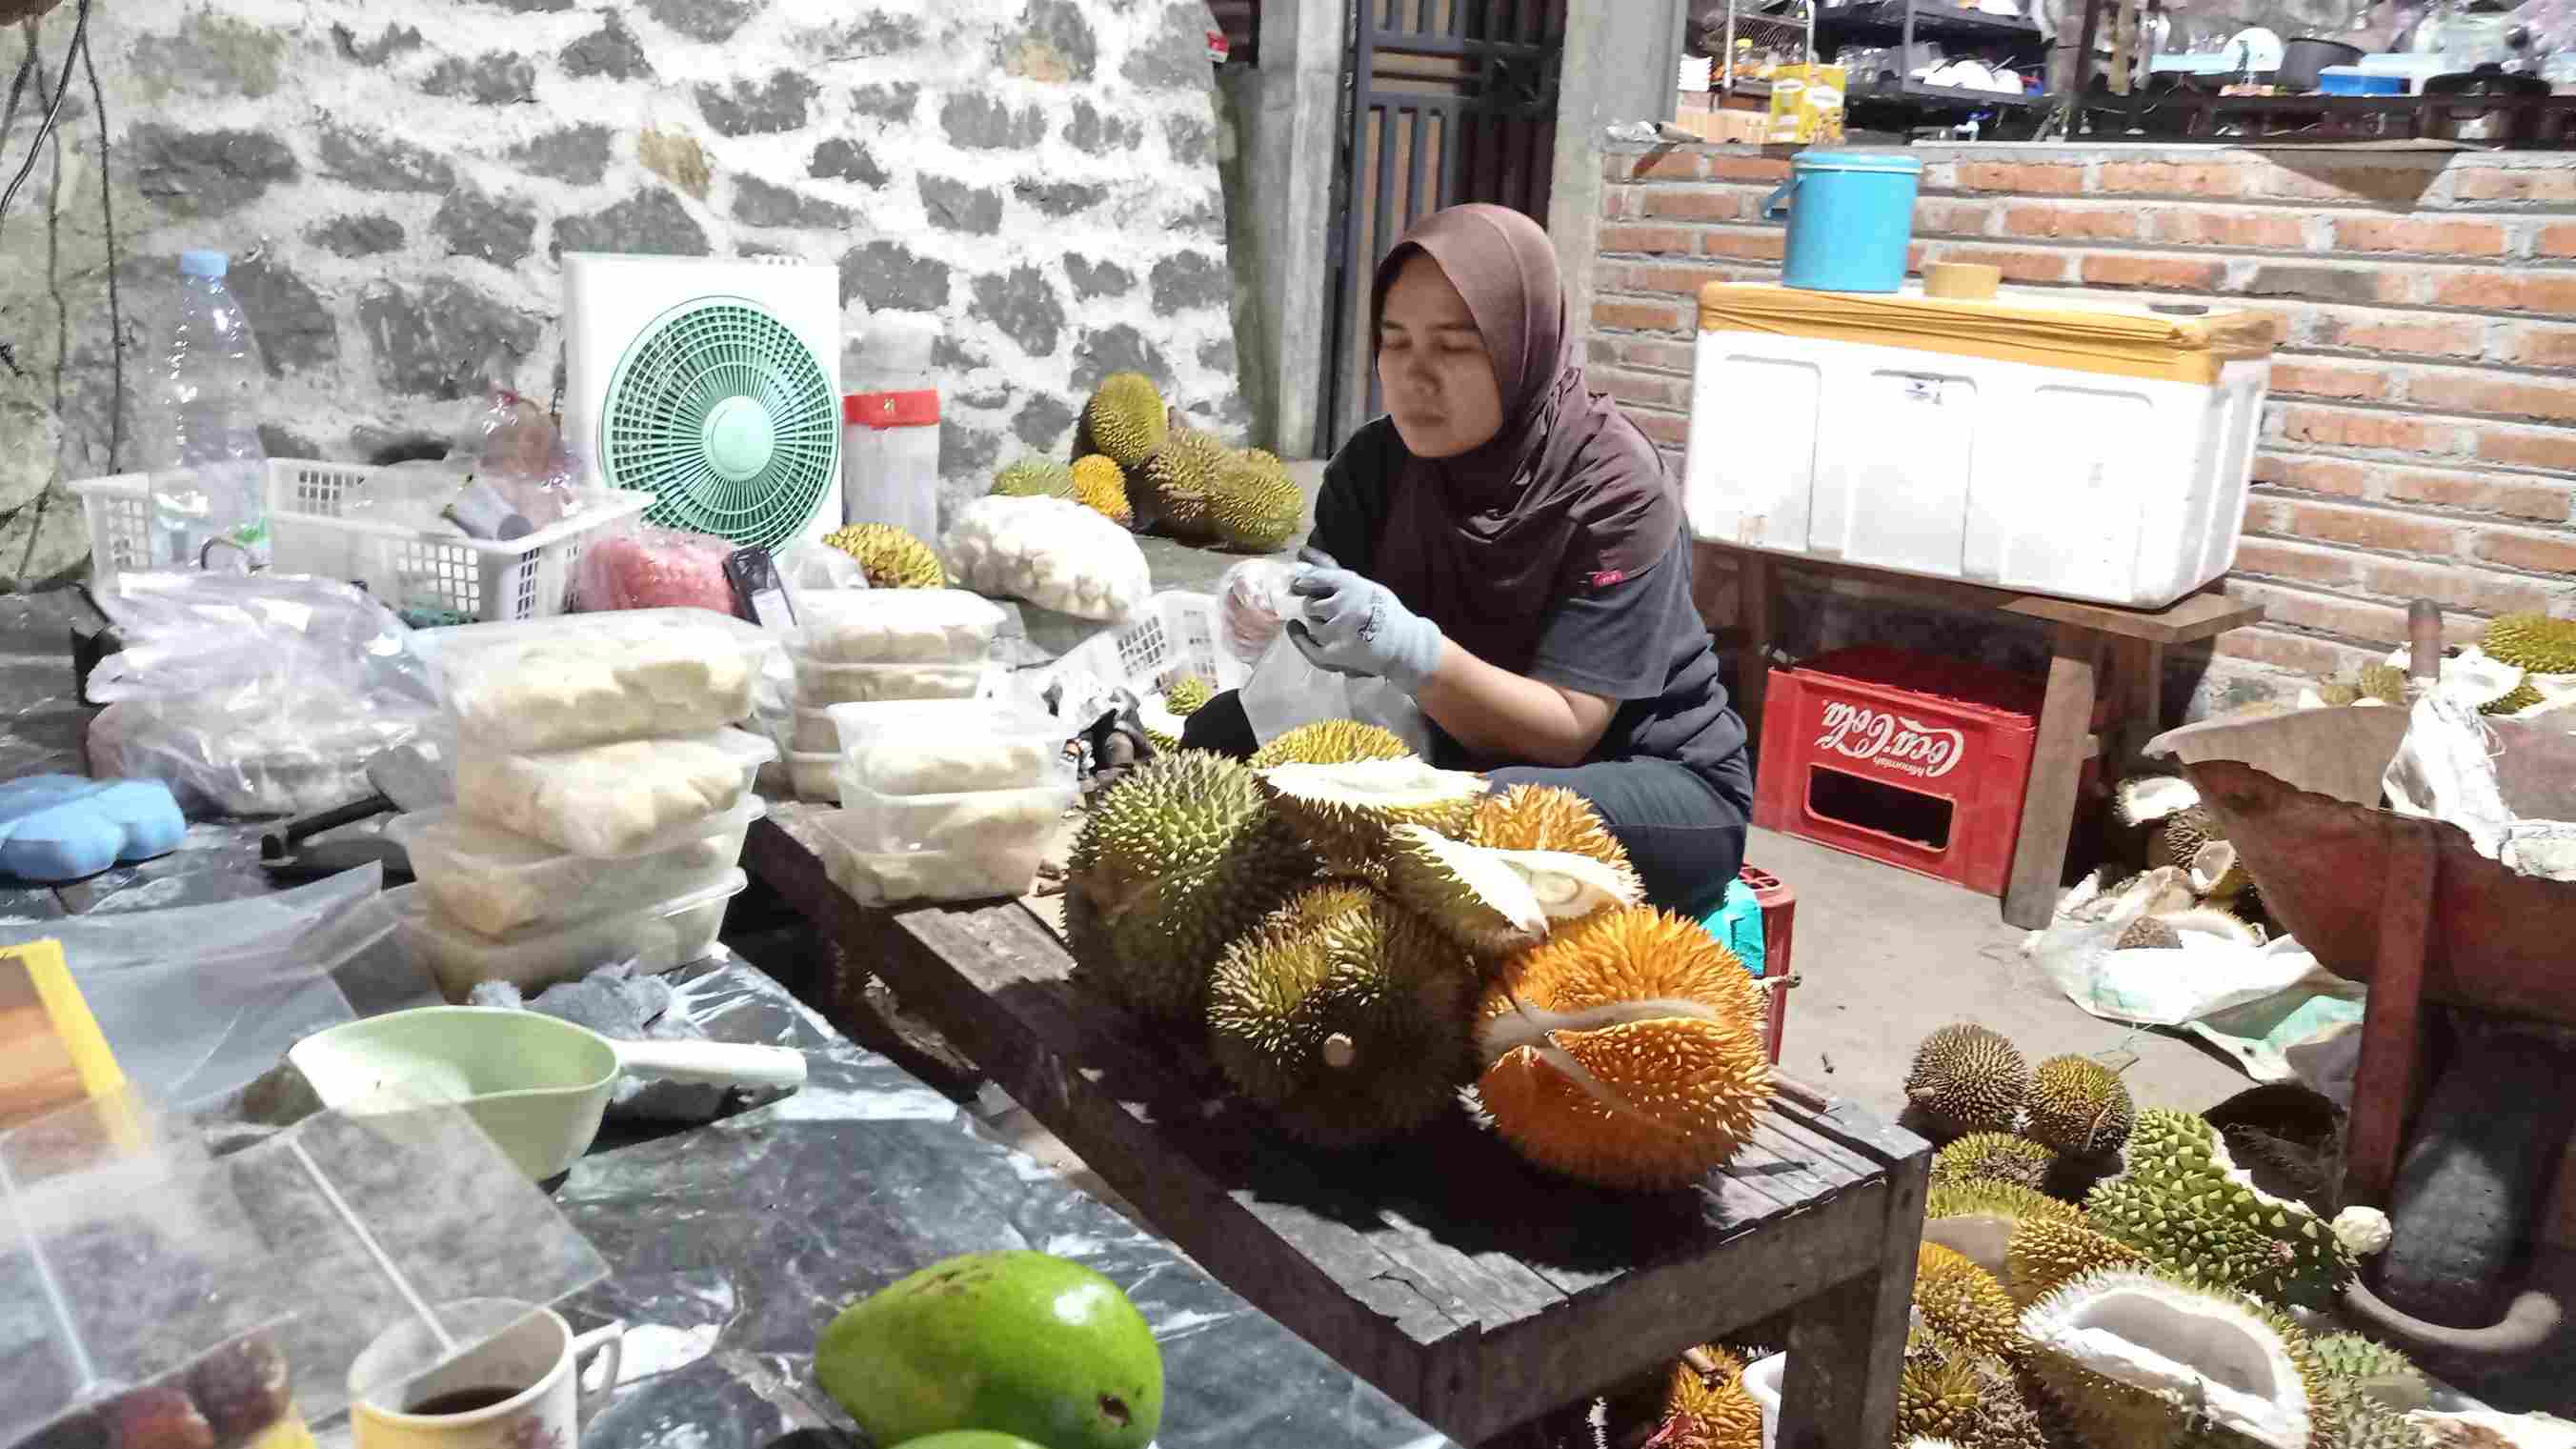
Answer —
(2421, 437)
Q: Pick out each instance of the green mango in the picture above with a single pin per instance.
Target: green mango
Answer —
(1009, 1342)
(971, 1439)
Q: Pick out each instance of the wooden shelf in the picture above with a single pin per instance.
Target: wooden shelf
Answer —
(1922, 92)
(1931, 17)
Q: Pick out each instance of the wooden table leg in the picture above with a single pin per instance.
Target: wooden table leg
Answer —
(1847, 1344)
(2140, 664)
(2056, 767)
(1757, 615)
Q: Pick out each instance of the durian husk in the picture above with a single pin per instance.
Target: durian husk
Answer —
(1125, 418)
(2534, 642)
(1178, 484)
(1345, 813)
(1549, 817)
(1994, 1157)
(1968, 1079)
(1331, 742)
(2183, 1204)
(1939, 1393)
(889, 556)
(2047, 1251)
(2148, 933)
(1034, 477)
(1472, 895)
(1963, 1303)
(1100, 485)
(1710, 1410)
(1345, 1015)
(2079, 1107)
(1254, 506)
(1625, 1051)
(1187, 695)
(2183, 1390)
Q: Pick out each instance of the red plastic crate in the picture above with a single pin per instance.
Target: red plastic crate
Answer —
(1911, 759)
(1779, 918)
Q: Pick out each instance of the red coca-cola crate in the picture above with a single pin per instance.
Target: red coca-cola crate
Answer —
(1906, 758)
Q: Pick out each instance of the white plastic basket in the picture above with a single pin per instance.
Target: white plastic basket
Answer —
(486, 580)
(1174, 634)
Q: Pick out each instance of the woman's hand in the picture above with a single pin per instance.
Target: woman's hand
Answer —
(1353, 625)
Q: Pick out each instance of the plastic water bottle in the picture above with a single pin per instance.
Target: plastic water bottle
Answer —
(210, 477)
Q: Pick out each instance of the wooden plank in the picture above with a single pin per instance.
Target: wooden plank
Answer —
(2187, 621)
(1802, 1172)
(2057, 760)
(2138, 666)
(1757, 619)
(1847, 1345)
(1848, 1164)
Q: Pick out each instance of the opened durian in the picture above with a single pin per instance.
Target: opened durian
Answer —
(2535, 642)
(2047, 1250)
(1177, 860)
(1976, 1219)
(1968, 1079)
(1344, 813)
(1125, 418)
(1472, 895)
(2357, 1420)
(1547, 817)
(1178, 483)
(1034, 477)
(2185, 1205)
(2078, 1106)
(2133, 1355)
(1187, 695)
(1994, 1157)
(1344, 1014)
(1963, 1303)
(1100, 485)
(1625, 1050)
(890, 557)
(1569, 886)
(1331, 742)
(1710, 1410)
(1255, 507)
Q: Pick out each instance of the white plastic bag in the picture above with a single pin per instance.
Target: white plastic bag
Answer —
(1054, 553)
(1252, 600)
(1286, 691)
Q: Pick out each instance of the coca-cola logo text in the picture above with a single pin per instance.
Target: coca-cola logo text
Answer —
(1891, 740)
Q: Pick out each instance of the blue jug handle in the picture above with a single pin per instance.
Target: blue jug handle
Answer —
(1771, 205)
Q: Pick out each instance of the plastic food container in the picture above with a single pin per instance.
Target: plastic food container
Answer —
(821, 682)
(814, 775)
(584, 679)
(611, 801)
(881, 879)
(656, 937)
(946, 746)
(492, 882)
(970, 823)
(810, 730)
(897, 626)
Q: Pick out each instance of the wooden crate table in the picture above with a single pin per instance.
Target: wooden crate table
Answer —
(1470, 1287)
(2082, 639)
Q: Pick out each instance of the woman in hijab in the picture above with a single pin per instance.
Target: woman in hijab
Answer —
(1505, 547)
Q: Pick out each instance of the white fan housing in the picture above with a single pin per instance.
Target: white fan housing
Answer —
(716, 384)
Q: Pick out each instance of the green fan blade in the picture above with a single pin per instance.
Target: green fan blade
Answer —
(726, 416)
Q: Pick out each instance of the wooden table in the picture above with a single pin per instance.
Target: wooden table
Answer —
(2082, 638)
(1473, 1289)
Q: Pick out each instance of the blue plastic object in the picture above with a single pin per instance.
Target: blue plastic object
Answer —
(62, 827)
(1852, 217)
(1737, 925)
(2352, 80)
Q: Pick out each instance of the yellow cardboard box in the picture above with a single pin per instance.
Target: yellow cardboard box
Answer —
(1806, 105)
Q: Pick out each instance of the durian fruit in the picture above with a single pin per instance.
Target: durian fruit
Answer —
(1625, 1051)
(2356, 1420)
(2008, 1416)
(1344, 1014)
(1976, 1219)
(1331, 742)
(1163, 744)
(1549, 817)
(2185, 1205)
(2149, 933)
(1187, 695)
(1710, 1410)
(1963, 1303)
(2338, 694)
(1125, 418)
(1994, 1157)
(1034, 477)
(1938, 1394)
(2146, 799)
(1100, 485)
(1344, 812)
(1569, 886)
(2078, 1106)
(2383, 682)
(2218, 874)
(1968, 1079)
(1179, 483)
(1472, 895)
(2535, 642)
(891, 558)
(2046, 1251)
(2184, 833)
(2513, 701)
(2375, 1369)
(2138, 1358)
(2214, 921)
(1177, 860)
(1255, 506)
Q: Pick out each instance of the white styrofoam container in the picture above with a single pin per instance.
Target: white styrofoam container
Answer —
(2054, 480)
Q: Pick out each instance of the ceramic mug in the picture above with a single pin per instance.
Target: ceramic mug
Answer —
(531, 1355)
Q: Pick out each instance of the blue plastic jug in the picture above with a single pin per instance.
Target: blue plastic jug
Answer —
(1851, 214)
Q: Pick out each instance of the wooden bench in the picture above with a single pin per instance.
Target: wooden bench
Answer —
(1473, 1289)
(2083, 638)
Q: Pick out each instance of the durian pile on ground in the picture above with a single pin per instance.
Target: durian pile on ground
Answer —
(2521, 664)
(1134, 464)
(1362, 937)
(2205, 887)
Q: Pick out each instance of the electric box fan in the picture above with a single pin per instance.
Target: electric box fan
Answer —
(714, 384)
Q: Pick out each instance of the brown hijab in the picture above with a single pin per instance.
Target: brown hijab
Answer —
(1568, 497)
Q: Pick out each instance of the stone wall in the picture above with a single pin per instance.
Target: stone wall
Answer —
(2421, 434)
(396, 183)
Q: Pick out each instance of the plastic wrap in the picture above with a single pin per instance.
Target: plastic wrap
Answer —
(589, 679)
(652, 937)
(644, 567)
(1286, 691)
(808, 566)
(935, 747)
(132, 1258)
(819, 684)
(974, 823)
(898, 626)
(619, 799)
(1252, 603)
(521, 454)
(1054, 553)
(493, 883)
(252, 694)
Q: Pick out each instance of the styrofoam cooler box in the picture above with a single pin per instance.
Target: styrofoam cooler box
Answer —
(2066, 444)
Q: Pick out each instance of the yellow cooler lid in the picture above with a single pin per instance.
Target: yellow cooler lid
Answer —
(2084, 333)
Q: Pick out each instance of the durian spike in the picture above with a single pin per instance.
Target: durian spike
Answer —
(1340, 1051)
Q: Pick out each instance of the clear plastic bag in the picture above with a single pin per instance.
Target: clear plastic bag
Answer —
(1252, 601)
(1054, 553)
(1286, 691)
(253, 694)
(522, 455)
(644, 567)
(806, 566)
